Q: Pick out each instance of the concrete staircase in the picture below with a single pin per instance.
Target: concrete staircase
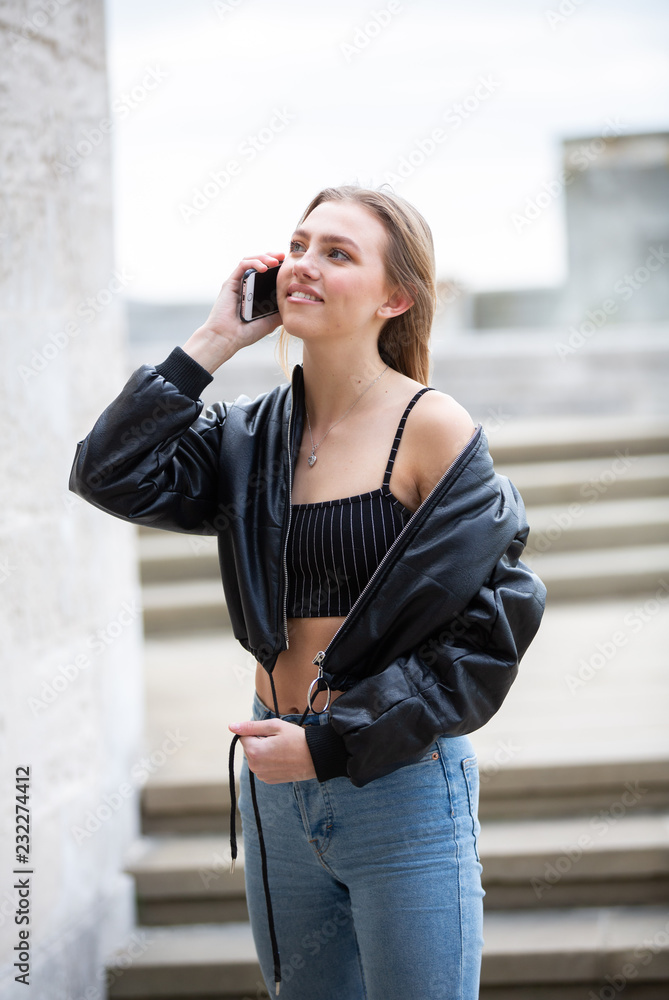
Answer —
(597, 499)
(570, 899)
(575, 847)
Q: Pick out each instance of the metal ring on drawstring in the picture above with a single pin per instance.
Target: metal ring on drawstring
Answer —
(318, 682)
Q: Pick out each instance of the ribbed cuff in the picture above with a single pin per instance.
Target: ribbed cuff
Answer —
(327, 752)
(185, 373)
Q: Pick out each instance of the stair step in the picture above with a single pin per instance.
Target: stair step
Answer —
(590, 480)
(189, 962)
(543, 955)
(558, 510)
(185, 806)
(613, 857)
(195, 605)
(558, 528)
(187, 879)
(169, 555)
(540, 955)
(603, 572)
(554, 789)
(554, 440)
(533, 791)
(188, 606)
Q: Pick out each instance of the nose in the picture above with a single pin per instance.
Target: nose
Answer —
(306, 264)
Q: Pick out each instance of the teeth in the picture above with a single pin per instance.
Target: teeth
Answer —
(303, 295)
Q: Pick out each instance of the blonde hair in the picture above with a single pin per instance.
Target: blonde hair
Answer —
(409, 261)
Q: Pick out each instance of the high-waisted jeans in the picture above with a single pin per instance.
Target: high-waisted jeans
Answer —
(376, 891)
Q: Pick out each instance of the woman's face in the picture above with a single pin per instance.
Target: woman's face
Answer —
(336, 255)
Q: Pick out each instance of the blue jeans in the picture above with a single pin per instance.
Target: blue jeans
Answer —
(376, 891)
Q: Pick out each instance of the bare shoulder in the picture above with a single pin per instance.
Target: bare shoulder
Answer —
(439, 429)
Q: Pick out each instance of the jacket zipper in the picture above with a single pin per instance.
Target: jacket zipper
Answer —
(320, 656)
(290, 510)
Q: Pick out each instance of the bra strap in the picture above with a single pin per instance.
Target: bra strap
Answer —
(398, 435)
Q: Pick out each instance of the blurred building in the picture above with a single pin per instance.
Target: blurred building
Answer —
(598, 345)
(616, 198)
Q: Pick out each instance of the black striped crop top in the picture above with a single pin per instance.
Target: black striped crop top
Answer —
(334, 546)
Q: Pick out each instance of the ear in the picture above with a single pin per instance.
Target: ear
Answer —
(395, 305)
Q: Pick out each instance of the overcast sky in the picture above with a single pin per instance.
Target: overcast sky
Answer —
(279, 98)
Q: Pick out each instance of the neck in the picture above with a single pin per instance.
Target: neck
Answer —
(335, 379)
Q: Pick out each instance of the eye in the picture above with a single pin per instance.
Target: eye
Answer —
(295, 246)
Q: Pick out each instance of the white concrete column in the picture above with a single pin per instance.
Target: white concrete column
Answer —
(71, 691)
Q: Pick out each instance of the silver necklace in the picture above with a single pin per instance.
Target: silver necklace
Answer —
(312, 458)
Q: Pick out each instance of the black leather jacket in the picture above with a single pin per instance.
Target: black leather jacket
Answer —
(431, 646)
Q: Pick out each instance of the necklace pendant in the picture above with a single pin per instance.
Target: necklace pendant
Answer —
(312, 458)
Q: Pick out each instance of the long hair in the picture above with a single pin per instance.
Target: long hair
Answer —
(409, 262)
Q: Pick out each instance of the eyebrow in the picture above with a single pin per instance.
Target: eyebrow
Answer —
(330, 238)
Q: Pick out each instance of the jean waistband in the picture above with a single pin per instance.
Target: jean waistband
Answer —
(261, 711)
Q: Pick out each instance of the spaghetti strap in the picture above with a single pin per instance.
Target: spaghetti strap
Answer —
(398, 435)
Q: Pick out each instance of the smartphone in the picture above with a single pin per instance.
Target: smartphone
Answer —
(258, 296)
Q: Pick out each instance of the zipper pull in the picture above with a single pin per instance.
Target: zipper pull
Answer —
(315, 685)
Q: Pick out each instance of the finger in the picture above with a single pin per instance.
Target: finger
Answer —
(263, 261)
(262, 727)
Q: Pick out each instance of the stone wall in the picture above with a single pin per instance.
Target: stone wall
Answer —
(71, 692)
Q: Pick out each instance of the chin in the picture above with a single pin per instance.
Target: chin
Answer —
(297, 327)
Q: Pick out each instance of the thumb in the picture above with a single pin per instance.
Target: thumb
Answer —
(261, 727)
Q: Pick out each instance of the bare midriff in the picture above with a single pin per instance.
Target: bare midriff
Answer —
(295, 670)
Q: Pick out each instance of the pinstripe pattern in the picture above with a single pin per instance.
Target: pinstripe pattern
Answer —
(334, 546)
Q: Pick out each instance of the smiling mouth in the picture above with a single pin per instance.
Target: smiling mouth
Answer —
(303, 295)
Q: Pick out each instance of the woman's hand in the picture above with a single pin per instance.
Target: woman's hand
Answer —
(276, 751)
(224, 333)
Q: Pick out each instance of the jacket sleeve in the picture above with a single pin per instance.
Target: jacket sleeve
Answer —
(451, 684)
(152, 457)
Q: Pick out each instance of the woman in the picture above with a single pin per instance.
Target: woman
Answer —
(370, 560)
